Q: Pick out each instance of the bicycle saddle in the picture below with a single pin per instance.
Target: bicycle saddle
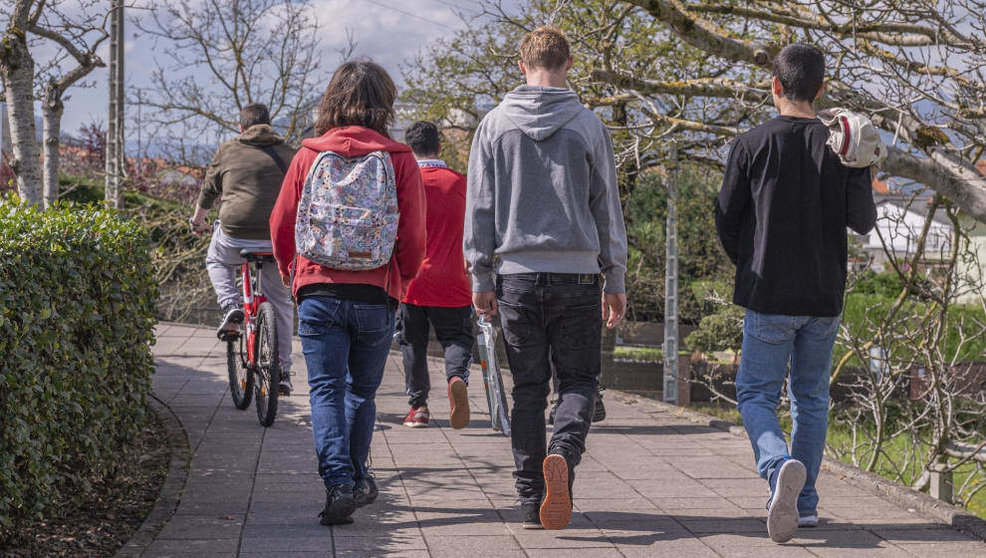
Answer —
(256, 255)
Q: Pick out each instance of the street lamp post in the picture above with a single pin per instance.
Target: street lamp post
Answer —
(671, 283)
(115, 149)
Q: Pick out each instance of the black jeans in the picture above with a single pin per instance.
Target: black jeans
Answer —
(550, 320)
(453, 328)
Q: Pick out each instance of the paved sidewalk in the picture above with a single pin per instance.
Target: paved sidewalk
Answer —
(651, 484)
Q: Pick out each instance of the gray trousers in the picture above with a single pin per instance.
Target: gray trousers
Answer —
(223, 262)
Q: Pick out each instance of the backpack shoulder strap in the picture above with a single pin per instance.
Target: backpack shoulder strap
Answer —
(269, 150)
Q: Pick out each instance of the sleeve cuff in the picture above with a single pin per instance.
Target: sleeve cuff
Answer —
(614, 283)
(482, 283)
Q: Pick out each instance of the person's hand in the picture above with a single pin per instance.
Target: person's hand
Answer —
(199, 226)
(286, 279)
(485, 304)
(614, 306)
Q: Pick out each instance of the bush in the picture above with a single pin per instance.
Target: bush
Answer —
(722, 331)
(77, 298)
(864, 312)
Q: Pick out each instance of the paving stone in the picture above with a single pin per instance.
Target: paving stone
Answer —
(650, 484)
(214, 548)
(202, 527)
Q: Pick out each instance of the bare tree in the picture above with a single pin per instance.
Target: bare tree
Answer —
(915, 68)
(75, 32)
(17, 69)
(78, 38)
(251, 50)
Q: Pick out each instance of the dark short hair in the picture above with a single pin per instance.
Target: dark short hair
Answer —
(253, 114)
(360, 93)
(424, 138)
(801, 70)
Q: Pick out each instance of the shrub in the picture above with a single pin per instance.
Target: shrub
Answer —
(863, 313)
(722, 331)
(77, 298)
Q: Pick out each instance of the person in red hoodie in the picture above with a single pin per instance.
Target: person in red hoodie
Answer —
(440, 296)
(346, 316)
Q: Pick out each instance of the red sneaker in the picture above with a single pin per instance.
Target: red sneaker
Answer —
(417, 418)
(458, 400)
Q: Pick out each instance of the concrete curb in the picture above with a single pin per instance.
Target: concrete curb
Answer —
(901, 495)
(174, 484)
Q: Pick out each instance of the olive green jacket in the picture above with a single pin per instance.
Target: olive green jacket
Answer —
(247, 173)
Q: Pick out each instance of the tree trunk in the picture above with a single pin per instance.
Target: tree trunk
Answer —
(17, 68)
(52, 120)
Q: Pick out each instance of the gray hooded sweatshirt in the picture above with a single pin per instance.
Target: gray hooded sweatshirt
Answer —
(542, 193)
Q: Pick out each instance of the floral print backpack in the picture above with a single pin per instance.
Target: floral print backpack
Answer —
(347, 215)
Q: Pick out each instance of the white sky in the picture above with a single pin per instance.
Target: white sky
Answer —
(389, 31)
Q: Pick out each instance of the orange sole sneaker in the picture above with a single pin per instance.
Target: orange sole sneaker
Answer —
(556, 509)
(459, 402)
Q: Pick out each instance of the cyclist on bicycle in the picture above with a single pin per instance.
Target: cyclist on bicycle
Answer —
(246, 173)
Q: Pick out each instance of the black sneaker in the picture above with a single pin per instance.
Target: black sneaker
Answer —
(532, 515)
(284, 387)
(232, 317)
(339, 505)
(599, 413)
(366, 492)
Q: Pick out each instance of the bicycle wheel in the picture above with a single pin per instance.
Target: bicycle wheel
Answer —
(268, 371)
(240, 376)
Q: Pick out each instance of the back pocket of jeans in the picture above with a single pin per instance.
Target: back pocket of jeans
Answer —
(316, 315)
(515, 324)
(582, 328)
(372, 318)
(773, 329)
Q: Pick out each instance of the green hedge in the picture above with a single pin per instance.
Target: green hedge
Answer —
(864, 312)
(77, 297)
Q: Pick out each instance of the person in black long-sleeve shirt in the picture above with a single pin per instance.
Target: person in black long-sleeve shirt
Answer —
(782, 214)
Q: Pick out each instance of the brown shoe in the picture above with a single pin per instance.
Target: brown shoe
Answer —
(458, 399)
(556, 509)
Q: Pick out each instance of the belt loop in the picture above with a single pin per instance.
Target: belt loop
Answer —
(586, 279)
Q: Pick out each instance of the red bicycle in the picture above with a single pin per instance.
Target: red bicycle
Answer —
(251, 351)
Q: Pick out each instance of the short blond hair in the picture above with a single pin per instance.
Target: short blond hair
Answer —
(545, 47)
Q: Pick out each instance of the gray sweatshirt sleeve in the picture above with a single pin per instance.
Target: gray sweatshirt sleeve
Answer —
(479, 234)
(604, 202)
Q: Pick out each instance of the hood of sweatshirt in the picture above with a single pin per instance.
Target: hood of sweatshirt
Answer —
(540, 111)
(354, 141)
(261, 135)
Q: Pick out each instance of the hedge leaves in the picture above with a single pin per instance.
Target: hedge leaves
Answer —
(77, 299)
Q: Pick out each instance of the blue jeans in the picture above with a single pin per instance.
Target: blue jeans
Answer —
(772, 344)
(346, 345)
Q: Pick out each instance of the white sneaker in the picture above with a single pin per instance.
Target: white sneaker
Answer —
(808, 521)
(782, 515)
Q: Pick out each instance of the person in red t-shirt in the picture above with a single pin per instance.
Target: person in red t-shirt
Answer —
(441, 295)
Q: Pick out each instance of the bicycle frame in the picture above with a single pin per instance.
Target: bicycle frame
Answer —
(252, 299)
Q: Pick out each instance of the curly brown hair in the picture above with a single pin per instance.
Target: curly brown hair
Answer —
(360, 93)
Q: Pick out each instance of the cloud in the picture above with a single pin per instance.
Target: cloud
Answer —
(389, 31)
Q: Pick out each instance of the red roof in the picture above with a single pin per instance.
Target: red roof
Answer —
(880, 186)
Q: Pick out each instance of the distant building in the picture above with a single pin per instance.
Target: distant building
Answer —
(900, 220)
